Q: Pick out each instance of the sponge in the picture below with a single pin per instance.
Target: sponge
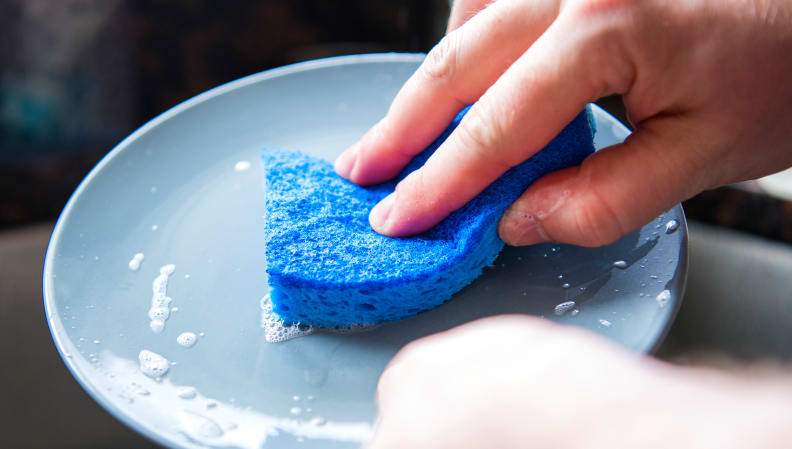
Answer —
(328, 268)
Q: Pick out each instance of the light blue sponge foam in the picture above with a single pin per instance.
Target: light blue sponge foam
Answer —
(328, 268)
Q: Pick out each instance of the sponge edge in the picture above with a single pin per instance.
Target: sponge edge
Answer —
(328, 268)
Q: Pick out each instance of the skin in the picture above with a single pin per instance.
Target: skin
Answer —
(517, 382)
(706, 84)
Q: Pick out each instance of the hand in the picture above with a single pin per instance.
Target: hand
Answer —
(515, 382)
(705, 82)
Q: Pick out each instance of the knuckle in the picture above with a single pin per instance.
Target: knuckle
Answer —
(481, 132)
(415, 193)
(596, 220)
(441, 61)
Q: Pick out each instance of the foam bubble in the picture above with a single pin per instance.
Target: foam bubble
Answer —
(134, 263)
(186, 339)
(160, 301)
(152, 364)
(275, 330)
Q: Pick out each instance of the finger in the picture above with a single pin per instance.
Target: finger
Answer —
(615, 191)
(462, 11)
(528, 105)
(454, 74)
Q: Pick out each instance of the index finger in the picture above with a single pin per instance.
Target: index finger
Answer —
(454, 74)
(528, 105)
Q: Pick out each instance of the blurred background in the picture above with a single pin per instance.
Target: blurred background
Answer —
(77, 76)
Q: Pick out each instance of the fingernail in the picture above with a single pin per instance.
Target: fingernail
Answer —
(346, 162)
(378, 216)
(518, 228)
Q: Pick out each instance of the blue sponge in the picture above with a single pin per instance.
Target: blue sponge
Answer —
(328, 268)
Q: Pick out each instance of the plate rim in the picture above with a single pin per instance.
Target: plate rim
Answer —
(335, 61)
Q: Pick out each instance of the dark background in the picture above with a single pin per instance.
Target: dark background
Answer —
(77, 76)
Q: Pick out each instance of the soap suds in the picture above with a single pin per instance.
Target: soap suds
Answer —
(134, 263)
(159, 311)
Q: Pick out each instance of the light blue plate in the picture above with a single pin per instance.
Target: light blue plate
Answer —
(175, 192)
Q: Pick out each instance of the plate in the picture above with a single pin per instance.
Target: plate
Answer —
(185, 190)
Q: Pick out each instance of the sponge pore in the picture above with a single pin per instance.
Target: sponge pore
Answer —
(328, 268)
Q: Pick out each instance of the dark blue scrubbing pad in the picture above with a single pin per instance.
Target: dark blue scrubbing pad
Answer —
(327, 267)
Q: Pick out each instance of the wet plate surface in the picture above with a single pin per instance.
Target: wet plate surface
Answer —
(185, 191)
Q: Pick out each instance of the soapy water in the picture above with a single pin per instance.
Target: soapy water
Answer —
(134, 263)
(276, 331)
(160, 311)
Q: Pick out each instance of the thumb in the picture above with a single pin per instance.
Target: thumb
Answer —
(614, 191)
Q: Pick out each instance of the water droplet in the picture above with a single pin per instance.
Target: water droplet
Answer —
(620, 264)
(671, 226)
(296, 398)
(663, 297)
(574, 312)
(154, 227)
(565, 285)
(241, 166)
(96, 342)
(153, 189)
(560, 276)
(563, 308)
(605, 323)
(201, 334)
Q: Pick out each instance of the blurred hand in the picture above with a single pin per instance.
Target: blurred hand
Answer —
(705, 82)
(515, 382)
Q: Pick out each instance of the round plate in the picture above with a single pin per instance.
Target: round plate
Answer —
(185, 189)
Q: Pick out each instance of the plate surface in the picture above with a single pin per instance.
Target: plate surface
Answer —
(185, 190)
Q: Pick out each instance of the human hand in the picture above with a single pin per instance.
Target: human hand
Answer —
(705, 82)
(510, 382)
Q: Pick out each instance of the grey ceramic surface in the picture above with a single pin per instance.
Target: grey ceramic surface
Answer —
(171, 192)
